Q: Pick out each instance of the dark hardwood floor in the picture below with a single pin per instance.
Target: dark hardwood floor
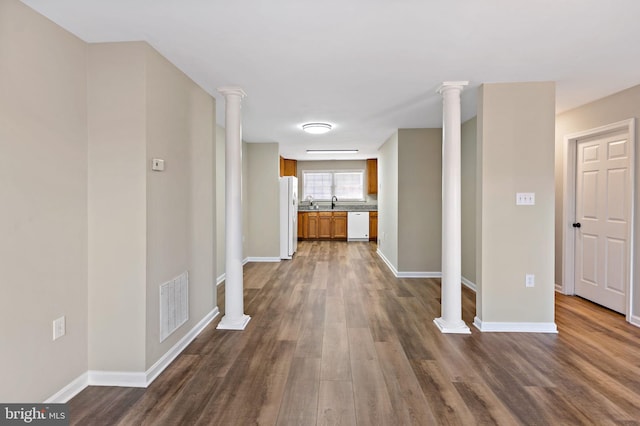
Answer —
(335, 339)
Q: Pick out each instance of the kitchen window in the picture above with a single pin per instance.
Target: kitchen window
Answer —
(322, 186)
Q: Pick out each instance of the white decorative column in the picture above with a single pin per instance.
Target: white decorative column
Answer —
(451, 305)
(234, 317)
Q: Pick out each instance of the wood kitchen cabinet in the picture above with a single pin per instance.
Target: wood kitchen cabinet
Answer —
(322, 225)
(339, 226)
(288, 167)
(373, 226)
(372, 176)
(303, 226)
(312, 225)
(325, 220)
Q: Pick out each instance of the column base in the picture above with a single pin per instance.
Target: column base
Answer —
(455, 328)
(227, 323)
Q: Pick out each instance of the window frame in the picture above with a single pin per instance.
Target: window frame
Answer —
(333, 185)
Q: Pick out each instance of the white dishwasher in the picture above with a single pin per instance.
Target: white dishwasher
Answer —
(358, 226)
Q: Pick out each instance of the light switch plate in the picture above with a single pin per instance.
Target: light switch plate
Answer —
(525, 198)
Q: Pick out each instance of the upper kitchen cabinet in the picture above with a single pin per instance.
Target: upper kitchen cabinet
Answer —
(288, 167)
(372, 176)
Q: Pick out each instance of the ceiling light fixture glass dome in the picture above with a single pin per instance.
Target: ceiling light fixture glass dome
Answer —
(316, 128)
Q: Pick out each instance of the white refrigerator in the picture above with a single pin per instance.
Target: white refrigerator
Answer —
(288, 216)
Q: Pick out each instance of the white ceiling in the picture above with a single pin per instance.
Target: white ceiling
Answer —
(369, 66)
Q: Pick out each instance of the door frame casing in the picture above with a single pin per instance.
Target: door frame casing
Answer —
(569, 204)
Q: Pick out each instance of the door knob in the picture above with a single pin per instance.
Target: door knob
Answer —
(576, 225)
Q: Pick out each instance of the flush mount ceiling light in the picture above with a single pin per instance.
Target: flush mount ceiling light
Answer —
(316, 128)
(332, 151)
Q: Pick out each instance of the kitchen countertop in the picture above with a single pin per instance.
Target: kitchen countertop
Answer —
(340, 208)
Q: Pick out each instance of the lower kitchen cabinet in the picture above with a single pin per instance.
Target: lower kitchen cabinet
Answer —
(339, 226)
(325, 221)
(303, 225)
(322, 225)
(373, 226)
(312, 225)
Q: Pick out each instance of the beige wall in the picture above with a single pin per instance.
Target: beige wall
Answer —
(117, 206)
(263, 203)
(180, 200)
(245, 200)
(220, 203)
(419, 200)
(608, 110)
(43, 218)
(92, 231)
(146, 227)
(388, 199)
(410, 200)
(516, 150)
(468, 198)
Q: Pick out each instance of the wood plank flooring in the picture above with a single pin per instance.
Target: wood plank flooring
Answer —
(336, 339)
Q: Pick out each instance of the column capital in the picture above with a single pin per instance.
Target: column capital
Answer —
(231, 91)
(448, 85)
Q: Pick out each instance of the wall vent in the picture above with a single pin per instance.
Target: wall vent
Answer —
(174, 304)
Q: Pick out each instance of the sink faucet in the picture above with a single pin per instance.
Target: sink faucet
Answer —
(333, 202)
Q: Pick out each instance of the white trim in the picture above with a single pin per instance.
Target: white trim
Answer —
(559, 288)
(220, 279)
(418, 274)
(261, 259)
(515, 327)
(445, 328)
(69, 391)
(127, 378)
(388, 263)
(469, 284)
(166, 359)
(634, 320)
(240, 324)
(244, 261)
(568, 211)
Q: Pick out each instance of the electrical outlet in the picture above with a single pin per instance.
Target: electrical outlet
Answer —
(530, 280)
(59, 328)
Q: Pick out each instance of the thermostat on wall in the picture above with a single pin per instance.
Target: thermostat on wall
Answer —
(157, 165)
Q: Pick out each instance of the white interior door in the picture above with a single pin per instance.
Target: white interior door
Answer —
(603, 220)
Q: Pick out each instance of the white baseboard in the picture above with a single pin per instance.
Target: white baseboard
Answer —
(469, 284)
(387, 262)
(515, 327)
(262, 259)
(559, 288)
(406, 274)
(166, 359)
(127, 378)
(634, 320)
(69, 391)
(221, 279)
(245, 261)
(418, 274)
